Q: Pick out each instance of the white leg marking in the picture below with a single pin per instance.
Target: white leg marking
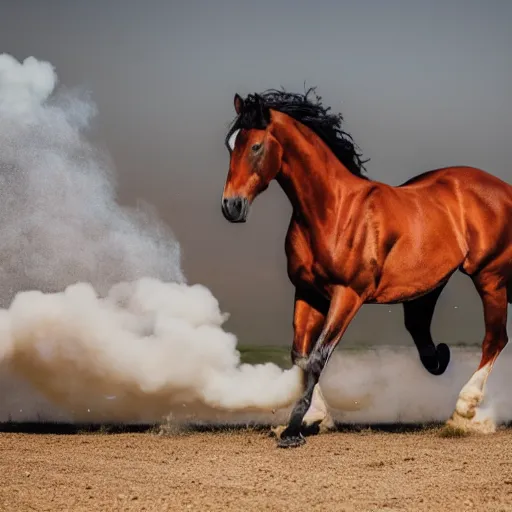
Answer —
(471, 395)
(318, 411)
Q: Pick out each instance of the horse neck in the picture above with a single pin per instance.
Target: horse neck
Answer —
(311, 176)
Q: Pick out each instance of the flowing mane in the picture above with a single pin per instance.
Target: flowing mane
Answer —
(309, 112)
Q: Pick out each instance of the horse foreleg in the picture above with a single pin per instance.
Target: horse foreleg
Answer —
(344, 305)
(494, 298)
(418, 315)
(308, 319)
(317, 419)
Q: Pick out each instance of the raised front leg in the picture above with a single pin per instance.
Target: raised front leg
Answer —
(344, 305)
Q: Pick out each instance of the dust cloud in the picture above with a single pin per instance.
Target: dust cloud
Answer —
(99, 318)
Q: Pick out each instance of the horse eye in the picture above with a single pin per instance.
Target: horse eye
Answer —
(255, 147)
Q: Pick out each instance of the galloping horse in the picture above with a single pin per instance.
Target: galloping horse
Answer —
(354, 241)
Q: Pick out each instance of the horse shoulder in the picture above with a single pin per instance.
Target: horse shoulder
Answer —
(299, 255)
(355, 249)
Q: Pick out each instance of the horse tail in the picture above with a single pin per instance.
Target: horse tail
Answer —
(509, 291)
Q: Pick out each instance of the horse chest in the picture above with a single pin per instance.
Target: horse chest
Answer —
(320, 266)
(305, 265)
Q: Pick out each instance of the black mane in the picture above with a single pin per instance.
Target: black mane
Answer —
(308, 112)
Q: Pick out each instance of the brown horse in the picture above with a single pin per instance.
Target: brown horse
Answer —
(354, 241)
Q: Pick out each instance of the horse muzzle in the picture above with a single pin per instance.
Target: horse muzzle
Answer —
(235, 209)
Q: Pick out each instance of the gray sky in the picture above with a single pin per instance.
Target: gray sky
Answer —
(421, 85)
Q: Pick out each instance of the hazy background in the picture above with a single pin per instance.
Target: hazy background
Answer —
(421, 85)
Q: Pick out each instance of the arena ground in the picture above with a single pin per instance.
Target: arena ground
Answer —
(401, 469)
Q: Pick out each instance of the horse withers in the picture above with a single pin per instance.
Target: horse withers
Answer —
(354, 241)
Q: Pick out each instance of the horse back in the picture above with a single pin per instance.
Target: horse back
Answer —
(479, 204)
(420, 232)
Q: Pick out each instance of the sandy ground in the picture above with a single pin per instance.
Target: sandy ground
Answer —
(243, 470)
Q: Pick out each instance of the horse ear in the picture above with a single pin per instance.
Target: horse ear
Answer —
(239, 104)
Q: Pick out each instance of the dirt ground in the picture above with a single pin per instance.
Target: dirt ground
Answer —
(243, 470)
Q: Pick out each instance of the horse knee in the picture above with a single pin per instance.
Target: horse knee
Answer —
(299, 359)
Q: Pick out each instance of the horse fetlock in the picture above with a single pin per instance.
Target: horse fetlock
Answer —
(318, 412)
(477, 424)
(468, 401)
(436, 362)
(430, 360)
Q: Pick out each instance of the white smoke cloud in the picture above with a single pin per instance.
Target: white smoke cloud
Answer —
(60, 223)
(150, 344)
(24, 87)
(111, 313)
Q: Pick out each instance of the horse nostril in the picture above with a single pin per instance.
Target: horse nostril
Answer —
(225, 205)
(234, 208)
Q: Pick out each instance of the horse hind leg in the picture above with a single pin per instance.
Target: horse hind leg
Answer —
(317, 419)
(418, 315)
(494, 297)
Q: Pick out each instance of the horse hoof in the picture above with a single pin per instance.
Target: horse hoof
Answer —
(443, 356)
(438, 365)
(310, 430)
(291, 441)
